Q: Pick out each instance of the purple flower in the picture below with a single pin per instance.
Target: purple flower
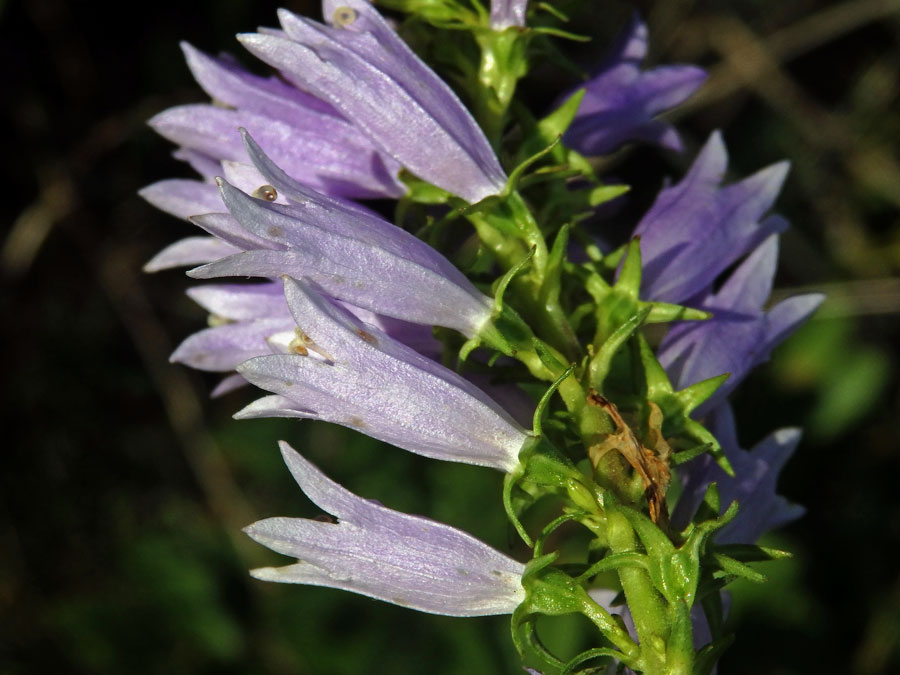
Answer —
(305, 135)
(353, 374)
(754, 484)
(381, 553)
(621, 100)
(740, 335)
(352, 254)
(696, 229)
(248, 320)
(508, 13)
(361, 67)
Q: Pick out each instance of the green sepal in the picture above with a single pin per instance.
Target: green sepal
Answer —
(615, 561)
(551, 527)
(544, 470)
(684, 456)
(556, 259)
(518, 173)
(549, 590)
(564, 34)
(629, 281)
(666, 312)
(602, 360)
(552, 592)
(691, 397)
(545, 400)
(676, 407)
(597, 652)
(606, 193)
(730, 568)
(547, 357)
(752, 552)
(552, 127)
(506, 332)
(711, 506)
(526, 640)
(510, 481)
(422, 192)
(550, 9)
(503, 282)
(675, 572)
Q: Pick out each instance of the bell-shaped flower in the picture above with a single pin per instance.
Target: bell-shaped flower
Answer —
(621, 100)
(354, 255)
(740, 334)
(362, 67)
(508, 13)
(347, 372)
(760, 509)
(307, 136)
(696, 229)
(384, 554)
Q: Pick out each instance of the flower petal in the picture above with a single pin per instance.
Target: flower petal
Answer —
(370, 382)
(375, 551)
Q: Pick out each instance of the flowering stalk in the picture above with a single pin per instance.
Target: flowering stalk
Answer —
(354, 320)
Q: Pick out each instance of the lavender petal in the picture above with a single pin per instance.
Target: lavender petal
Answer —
(375, 551)
(368, 381)
(190, 251)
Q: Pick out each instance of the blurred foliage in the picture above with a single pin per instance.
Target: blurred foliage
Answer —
(124, 488)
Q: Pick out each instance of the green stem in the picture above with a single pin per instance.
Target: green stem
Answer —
(644, 602)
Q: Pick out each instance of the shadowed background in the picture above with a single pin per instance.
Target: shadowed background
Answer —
(124, 487)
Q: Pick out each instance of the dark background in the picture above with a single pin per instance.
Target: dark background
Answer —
(123, 487)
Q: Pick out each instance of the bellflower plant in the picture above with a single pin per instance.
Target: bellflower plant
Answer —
(478, 319)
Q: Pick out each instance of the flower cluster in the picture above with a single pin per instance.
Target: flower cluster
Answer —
(340, 322)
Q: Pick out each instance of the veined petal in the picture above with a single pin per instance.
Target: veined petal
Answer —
(228, 83)
(754, 484)
(740, 335)
(238, 302)
(331, 156)
(223, 348)
(190, 251)
(366, 71)
(621, 100)
(381, 553)
(183, 198)
(368, 381)
(696, 229)
(355, 257)
(349, 219)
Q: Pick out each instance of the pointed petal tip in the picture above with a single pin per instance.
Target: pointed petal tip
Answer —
(716, 144)
(788, 436)
(265, 573)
